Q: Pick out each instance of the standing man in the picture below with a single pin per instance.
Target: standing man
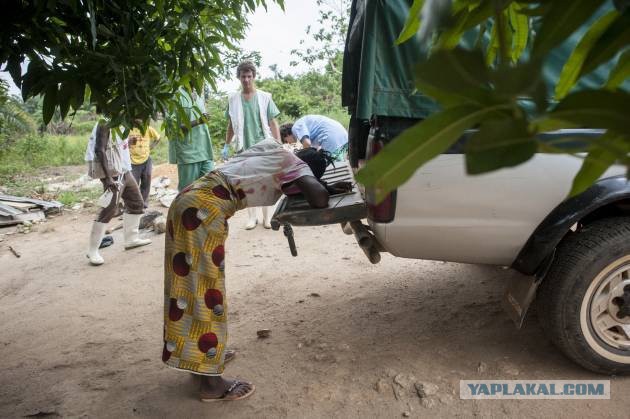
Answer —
(108, 160)
(193, 153)
(317, 131)
(251, 117)
(140, 146)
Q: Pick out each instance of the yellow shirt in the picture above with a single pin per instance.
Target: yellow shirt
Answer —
(140, 145)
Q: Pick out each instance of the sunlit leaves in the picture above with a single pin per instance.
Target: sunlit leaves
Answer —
(620, 73)
(520, 26)
(466, 17)
(413, 22)
(614, 39)
(562, 19)
(603, 153)
(573, 66)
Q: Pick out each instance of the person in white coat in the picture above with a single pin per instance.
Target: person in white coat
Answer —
(251, 118)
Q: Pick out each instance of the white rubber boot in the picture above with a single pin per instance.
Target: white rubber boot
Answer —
(131, 232)
(267, 216)
(96, 235)
(253, 219)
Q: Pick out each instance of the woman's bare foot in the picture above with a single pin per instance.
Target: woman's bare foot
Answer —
(219, 388)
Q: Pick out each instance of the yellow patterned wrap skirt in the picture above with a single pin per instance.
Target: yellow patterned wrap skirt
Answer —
(195, 304)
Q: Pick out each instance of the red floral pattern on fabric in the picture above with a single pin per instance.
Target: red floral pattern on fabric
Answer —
(174, 313)
(218, 254)
(221, 192)
(207, 341)
(190, 219)
(212, 298)
(180, 266)
(166, 354)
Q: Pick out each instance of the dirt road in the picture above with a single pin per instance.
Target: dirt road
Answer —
(348, 339)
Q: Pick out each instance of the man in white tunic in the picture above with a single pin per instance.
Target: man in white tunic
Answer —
(251, 117)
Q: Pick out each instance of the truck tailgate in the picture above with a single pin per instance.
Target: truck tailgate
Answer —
(294, 210)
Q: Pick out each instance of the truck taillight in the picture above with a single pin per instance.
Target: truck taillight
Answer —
(384, 211)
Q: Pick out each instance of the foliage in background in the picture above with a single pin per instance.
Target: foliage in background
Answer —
(15, 121)
(314, 92)
(486, 87)
(216, 106)
(80, 121)
(130, 59)
(329, 34)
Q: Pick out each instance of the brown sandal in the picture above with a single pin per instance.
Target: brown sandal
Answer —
(229, 395)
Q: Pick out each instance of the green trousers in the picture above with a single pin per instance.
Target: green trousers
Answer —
(190, 172)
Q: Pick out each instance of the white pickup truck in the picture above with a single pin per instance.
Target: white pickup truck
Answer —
(575, 252)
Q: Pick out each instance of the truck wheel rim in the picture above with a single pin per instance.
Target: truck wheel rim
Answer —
(605, 312)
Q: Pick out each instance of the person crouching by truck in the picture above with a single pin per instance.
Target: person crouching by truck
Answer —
(108, 160)
(317, 131)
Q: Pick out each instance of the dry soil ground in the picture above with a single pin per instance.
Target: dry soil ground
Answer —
(348, 339)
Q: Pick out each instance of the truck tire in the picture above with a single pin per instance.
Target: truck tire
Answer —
(584, 300)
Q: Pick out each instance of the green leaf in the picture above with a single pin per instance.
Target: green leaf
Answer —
(14, 68)
(78, 94)
(412, 24)
(32, 81)
(503, 20)
(393, 165)
(92, 11)
(50, 102)
(620, 73)
(535, 11)
(573, 66)
(520, 26)
(603, 153)
(523, 81)
(455, 77)
(451, 36)
(613, 40)
(561, 20)
(465, 20)
(493, 45)
(595, 109)
(498, 144)
(65, 96)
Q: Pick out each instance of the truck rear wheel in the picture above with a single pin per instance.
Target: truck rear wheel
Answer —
(584, 300)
